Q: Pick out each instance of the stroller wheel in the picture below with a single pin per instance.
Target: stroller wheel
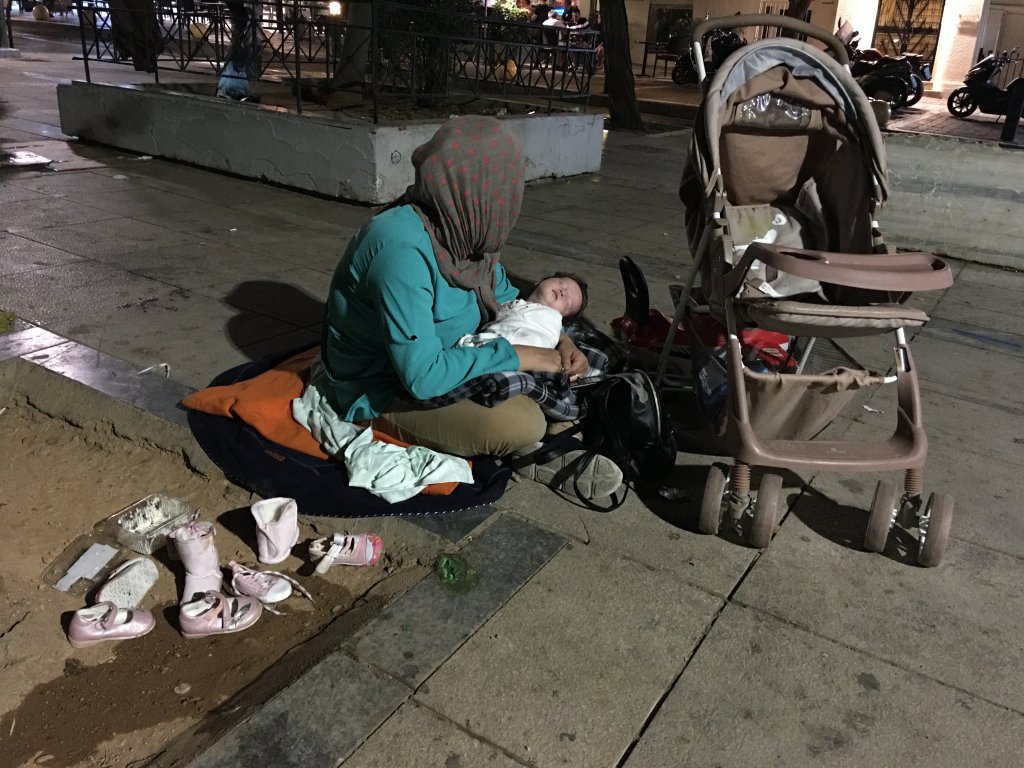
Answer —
(883, 507)
(711, 504)
(765, 506)
(938, 514)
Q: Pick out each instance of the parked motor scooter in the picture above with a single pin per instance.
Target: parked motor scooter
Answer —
(920, 70)
(980, 92)
(720, 42)
(887, 78)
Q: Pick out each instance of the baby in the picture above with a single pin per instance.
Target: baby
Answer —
(537, 321)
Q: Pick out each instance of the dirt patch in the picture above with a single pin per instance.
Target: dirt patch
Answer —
(121, 704)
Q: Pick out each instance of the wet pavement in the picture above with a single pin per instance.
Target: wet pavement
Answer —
(592, 639)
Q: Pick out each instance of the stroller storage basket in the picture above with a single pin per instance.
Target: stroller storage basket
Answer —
(785, 406)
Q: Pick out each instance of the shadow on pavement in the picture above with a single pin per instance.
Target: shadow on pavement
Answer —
(845, 525)
(259, 303)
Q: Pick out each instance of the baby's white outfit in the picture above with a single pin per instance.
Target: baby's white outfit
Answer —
(520, 322)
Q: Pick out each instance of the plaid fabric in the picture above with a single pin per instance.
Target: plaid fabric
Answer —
(551, 391)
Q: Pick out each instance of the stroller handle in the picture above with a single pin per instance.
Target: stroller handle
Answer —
(774, 20)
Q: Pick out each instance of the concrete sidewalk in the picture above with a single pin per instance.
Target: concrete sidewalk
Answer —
(592, 640)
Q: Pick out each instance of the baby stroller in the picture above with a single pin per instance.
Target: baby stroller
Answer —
(785, 173)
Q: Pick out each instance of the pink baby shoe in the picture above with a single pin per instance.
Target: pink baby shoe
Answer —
(198, 553)
(217, 614)
(128, 583)
(266, 586)
(359, 549)
(277, 528)
(105, 621)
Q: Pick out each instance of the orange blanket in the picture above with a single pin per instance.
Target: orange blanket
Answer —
(264, 403)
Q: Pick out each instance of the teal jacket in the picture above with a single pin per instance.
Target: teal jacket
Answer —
(393, 321)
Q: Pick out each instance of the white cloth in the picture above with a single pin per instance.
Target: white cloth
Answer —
(520, 322)
(389, 471)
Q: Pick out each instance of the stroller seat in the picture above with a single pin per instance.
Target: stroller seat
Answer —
(799, 318)
(859, 276)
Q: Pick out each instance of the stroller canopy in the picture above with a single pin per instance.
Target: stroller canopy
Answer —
(784, 108)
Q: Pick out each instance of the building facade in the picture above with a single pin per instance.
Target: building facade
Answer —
(951, 32)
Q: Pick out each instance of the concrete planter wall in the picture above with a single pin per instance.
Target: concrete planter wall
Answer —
(349, 160)
(959, 197)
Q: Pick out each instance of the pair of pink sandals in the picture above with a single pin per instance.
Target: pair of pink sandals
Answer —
(115, 617)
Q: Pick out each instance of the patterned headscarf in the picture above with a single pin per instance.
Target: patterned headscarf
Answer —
(468, 191)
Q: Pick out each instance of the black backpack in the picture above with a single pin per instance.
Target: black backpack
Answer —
(624, 422)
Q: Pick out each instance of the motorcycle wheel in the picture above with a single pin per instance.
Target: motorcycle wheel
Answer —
(681, 75)
(916, 90)
(960, 103)
(891, 89)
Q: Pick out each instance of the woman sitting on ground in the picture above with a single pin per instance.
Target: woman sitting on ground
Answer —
(419, 276)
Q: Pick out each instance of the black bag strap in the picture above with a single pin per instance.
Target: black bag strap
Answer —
(578, 471)
(563, 442)
(559, 445)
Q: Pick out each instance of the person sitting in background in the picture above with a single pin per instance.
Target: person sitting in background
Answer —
(538, 15)
(576, 20)
(597, 28)
(553, 29)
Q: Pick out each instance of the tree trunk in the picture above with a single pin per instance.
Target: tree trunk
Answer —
(355, 50)
(797, 10)
(625, 114)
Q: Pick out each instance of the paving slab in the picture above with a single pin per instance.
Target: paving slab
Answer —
(19, 254)
(974, 455)
(986, 297)
(84, 187)
(102, 295)
(416, 736)
(420, 630)
(567, 672)
(151, 391)
(12, 138)
(454, 526)
(27, 340)
(62, 280)
(315, 722)
(306, 210)
(243, 337)
(106, 233)
(33, 214)
(319, 250)
(208, 268)
(763, 692)
(146, 323)
(961, 623)
(13, 193)
(195, 183)
(291, 293)
(984, 370)
(292, 341)
(659, 533)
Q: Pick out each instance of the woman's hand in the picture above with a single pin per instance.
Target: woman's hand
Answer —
(538, 358)
(573, 361)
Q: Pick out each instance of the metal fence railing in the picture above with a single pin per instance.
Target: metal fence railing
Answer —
(408, 52)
